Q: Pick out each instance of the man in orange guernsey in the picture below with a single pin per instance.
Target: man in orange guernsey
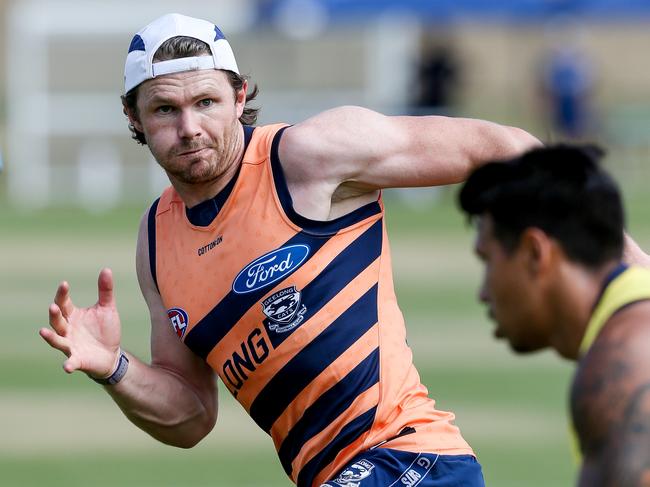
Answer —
(266, 263)
(550, 232)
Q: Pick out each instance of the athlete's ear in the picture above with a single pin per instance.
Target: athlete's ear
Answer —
(240, 99)
(537, 250)
(132, 115)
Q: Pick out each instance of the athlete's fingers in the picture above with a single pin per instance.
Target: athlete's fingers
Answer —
(58, 323)
(62, 299)
(71, 364)
(105, 287)
(55, 341)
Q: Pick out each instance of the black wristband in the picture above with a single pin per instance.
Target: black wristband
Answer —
(118, 375)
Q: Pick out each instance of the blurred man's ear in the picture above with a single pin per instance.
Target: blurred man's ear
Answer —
(537, 250)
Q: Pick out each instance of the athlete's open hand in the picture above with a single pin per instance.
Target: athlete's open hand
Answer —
(89, 337)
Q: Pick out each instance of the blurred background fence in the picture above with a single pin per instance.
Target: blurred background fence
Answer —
(74, 185)
(559, 68)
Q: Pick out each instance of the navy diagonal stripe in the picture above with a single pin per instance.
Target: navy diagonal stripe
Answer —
(308, 225)
(346, 437)
(315, 357)
(328, 407)
(151, 233)
(337, 274)
(217, 323)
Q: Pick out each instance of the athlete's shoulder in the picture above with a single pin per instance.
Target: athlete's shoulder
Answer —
(625, 309)
(610, 397)
(163, 202)
(261, 141)
(635, 276)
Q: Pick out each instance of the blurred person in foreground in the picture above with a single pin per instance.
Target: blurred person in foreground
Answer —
(550, 234)
(266, 263)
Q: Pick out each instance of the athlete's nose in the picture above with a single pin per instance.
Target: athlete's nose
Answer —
(189, 125)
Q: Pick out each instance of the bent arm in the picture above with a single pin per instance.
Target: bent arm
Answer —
(370, 151)
(616, 441)
(175, 398)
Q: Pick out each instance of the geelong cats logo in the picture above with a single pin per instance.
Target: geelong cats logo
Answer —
(284, 310)
(270, 268)
(354, 474)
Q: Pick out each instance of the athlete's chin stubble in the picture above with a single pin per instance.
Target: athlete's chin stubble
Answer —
(199, 170)
(205, 168)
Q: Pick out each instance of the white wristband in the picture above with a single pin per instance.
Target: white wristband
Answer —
(118, 374)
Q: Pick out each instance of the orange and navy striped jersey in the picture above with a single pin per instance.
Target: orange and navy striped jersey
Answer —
(298, 318)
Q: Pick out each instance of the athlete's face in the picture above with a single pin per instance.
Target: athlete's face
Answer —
(511, 290)
(191, 123)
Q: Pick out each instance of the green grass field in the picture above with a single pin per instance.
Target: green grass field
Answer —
(59, 430)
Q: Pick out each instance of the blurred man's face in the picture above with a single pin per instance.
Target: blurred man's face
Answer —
(191, 123)
(511, 291)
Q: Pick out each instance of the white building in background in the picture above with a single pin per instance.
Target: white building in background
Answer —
(68, 141)
(65, 127)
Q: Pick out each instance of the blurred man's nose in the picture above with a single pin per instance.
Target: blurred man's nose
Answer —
(483, 295)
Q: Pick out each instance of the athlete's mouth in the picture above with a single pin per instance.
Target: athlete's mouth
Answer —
(192, 152)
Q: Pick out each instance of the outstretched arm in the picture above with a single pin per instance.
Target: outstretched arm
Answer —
(360, 147)
(175, 398)
(611, 403)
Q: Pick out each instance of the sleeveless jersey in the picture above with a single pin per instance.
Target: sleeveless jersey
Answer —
(626, 285)
(630, 285)
(298, 318)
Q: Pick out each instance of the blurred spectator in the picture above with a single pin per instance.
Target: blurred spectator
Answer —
(437, 76)
(436, 82)
(567, 88)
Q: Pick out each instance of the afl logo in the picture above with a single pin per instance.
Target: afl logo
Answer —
(178, 319)
(270, 268)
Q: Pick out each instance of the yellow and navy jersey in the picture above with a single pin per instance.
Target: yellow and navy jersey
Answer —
(297, 317)
(624, 286)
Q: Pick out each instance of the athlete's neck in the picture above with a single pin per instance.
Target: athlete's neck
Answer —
(579, 296)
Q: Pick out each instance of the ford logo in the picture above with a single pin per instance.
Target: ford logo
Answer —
(270, 268)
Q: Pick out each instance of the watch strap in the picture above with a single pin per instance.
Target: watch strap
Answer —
(118, 374)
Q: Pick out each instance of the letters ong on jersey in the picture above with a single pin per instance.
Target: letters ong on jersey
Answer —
(270, 268)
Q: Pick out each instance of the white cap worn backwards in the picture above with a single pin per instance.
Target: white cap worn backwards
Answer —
(140, 67)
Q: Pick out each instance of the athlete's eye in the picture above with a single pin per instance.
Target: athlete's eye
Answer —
(206, 102)
(164, 109)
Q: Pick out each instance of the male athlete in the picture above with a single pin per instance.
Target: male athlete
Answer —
(266, 262)
(550, 233)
